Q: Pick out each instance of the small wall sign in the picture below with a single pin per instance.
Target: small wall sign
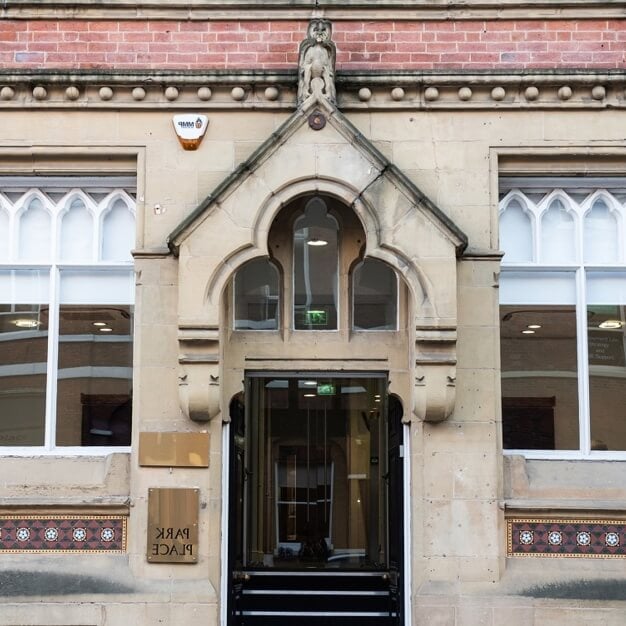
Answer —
(190, 129)
(173, 449)
(172, 526)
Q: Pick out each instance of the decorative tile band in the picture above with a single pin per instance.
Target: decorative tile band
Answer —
(591, 538)
(63, 533)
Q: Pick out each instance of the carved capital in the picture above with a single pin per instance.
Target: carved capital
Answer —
(199, 361)
(435, 373)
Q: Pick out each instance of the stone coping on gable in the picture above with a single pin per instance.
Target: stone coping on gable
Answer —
(271, 90)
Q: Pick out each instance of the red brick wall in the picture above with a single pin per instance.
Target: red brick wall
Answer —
(361, 45)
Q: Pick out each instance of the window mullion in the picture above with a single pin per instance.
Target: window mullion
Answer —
(97, 232)
(52, 365)
(536, 226)
(583, 362)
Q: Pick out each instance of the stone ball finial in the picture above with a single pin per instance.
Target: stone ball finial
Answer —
(238, 93)
(7, 93)
(40, 93)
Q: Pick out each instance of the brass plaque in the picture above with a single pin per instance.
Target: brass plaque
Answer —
(174, 449)
(173, 525)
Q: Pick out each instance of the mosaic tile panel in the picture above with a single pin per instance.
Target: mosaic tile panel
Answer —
(566, 538)
(63, 533)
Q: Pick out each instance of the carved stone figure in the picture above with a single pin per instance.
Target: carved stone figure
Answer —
(316, 63)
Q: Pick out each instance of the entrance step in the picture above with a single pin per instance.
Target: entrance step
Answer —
(316, 599)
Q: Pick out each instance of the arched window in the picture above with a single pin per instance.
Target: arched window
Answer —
(257, 296)
(77, 370)
(4, 234)
(375, 296)
(35, 228)
(118, 233)
(563, 319)
(315, 268)
(600, 233)
(558, 240)
(516, 233)
(77, 233)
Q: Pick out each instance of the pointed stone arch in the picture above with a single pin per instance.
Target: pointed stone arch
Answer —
(420, 286)
(402, 227)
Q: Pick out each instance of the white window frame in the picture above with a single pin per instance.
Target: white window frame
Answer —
(517, 188)
(115, 187)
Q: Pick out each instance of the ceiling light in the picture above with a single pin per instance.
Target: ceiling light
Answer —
(99, 324)
(26, 323)
(317, 242)
(277, 384)
(528, 332)
(612, 324)
(310, 383)
(353, 389)
(534, 325)
(309, 395)
(105, 330)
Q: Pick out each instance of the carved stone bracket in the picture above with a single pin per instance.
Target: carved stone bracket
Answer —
(435, 373)
(199, 361)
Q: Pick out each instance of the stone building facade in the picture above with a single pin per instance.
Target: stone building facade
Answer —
(312, 311)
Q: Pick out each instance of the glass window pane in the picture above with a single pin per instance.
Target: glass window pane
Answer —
(606, 287)
(118, 233)
(375, 292)
(539, 377)
(102, 286)
(4, 235)
(516, 237)
(23, 357)
(257, 296)
(316, 490)
(94, 396)
(558, 241)
(606, 321)
(601, 235)
(26, 286)
(537, 288)
(35, 228)
(77, 233)
(316, 263)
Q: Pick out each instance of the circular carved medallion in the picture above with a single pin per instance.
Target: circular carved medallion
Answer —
(317, 121)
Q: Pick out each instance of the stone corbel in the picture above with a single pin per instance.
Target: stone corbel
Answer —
(198, 381)
(435, 373)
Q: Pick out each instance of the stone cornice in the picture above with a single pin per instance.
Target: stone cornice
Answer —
(272, 90)
(304, 9)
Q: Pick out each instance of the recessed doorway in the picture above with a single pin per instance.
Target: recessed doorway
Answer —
(315, 501)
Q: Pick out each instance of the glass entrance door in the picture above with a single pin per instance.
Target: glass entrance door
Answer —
(314, 481)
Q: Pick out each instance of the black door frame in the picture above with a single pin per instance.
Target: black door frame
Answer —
(396, 497)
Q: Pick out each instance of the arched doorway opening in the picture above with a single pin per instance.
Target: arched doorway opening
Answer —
(316, 463)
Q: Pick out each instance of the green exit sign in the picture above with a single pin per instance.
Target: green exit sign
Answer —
(326, 389)
(316, 317)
